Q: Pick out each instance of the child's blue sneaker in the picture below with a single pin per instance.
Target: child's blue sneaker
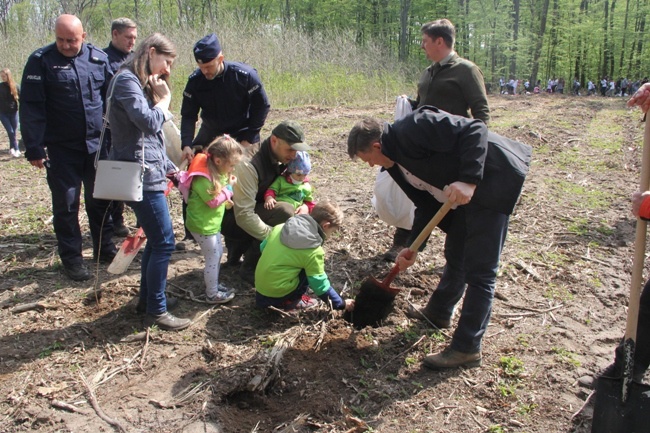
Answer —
(221, 297)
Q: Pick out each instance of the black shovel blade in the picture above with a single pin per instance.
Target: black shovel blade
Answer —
(612, 415)
(372, 305)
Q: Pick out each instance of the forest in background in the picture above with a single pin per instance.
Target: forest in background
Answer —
(327, 51)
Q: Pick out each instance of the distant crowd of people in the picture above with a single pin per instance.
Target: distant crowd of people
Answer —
(606, 86)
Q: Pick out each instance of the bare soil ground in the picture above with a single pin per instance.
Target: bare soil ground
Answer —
(560, 307)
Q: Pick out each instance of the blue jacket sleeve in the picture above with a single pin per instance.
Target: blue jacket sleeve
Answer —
(128, 93)
(259, 107)
(331, 294)
(189, 115)
(32, 110)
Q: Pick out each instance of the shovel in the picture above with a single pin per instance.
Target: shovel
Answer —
(622, 406)
(374, 301)
(130, 247)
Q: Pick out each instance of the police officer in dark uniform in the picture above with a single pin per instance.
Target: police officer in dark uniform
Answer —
(229, 95)
(231, 100)
(62, 98)
(124, 32)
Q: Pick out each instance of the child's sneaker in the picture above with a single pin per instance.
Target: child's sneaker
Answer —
(304, 303)
(221, 297)
(223, 288)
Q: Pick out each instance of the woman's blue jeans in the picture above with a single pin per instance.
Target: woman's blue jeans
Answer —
(153, 215)
(10, 122)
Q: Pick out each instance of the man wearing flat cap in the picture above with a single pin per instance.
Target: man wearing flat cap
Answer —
(229, 96)
(250, 223)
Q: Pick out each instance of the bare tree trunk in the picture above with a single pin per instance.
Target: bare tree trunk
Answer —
(627, 13)
(405, 7)
(540, 38)
(515, 37)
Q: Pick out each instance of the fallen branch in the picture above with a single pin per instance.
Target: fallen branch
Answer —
(321, 336)
(261, 381)
(98, 410)
(58, 404)
(532, 311)
(527, 269)
(144, 349)
(29, 307)
(185, 396)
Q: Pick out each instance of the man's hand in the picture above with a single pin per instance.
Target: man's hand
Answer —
(188, 153)
(405, 259)
(459, 192)
(269, 203)
(38, 163)
(349, 305)
(641, 98)
(302, 210)
(637, 200)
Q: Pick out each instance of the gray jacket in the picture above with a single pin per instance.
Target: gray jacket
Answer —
(134, 122)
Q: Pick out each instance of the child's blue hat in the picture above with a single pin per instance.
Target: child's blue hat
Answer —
(300, 164)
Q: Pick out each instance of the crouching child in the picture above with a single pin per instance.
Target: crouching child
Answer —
(293, 260)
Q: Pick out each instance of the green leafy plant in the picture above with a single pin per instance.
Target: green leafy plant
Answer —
(565, 356)
(511, 367)
(49, 349)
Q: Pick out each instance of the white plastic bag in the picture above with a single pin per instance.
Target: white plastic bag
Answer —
(391, 203)
(402, 107)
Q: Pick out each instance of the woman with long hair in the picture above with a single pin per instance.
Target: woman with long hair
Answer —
(9, 95)
(138, 104)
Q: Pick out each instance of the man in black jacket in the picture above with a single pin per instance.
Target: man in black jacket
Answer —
(124, 32)
(435, 156)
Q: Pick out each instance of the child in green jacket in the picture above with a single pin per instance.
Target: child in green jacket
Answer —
(293, 260)
(293, 186)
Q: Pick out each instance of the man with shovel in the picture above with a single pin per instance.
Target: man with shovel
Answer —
(436, 157)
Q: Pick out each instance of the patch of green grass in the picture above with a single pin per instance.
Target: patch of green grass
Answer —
(409, 333)
(50, 349)
(409, 361)
(525, 409)
(497, 428)
(331, 85)
(506, 389)
(524, 339)
(511, 367)
(565, 356)
(558, 293)
(437, 336)
(579, 197)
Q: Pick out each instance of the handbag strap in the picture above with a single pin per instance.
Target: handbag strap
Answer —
(111, 88)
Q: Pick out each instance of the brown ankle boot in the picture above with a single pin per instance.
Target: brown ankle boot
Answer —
(400, 241)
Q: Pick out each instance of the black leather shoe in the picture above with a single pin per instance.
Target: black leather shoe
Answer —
(121, 230)
(166, 321)
(172, 303)
(77, 272)
(106, 256)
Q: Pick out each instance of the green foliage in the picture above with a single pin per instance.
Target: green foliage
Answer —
(504, 38)
(497, 428)
(565, 356)
(50, 349)
(511, 367)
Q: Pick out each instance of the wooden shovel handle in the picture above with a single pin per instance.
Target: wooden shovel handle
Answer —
(639, 244)
(426, 231)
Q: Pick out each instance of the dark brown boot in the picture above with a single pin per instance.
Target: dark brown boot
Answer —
(400, 241)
